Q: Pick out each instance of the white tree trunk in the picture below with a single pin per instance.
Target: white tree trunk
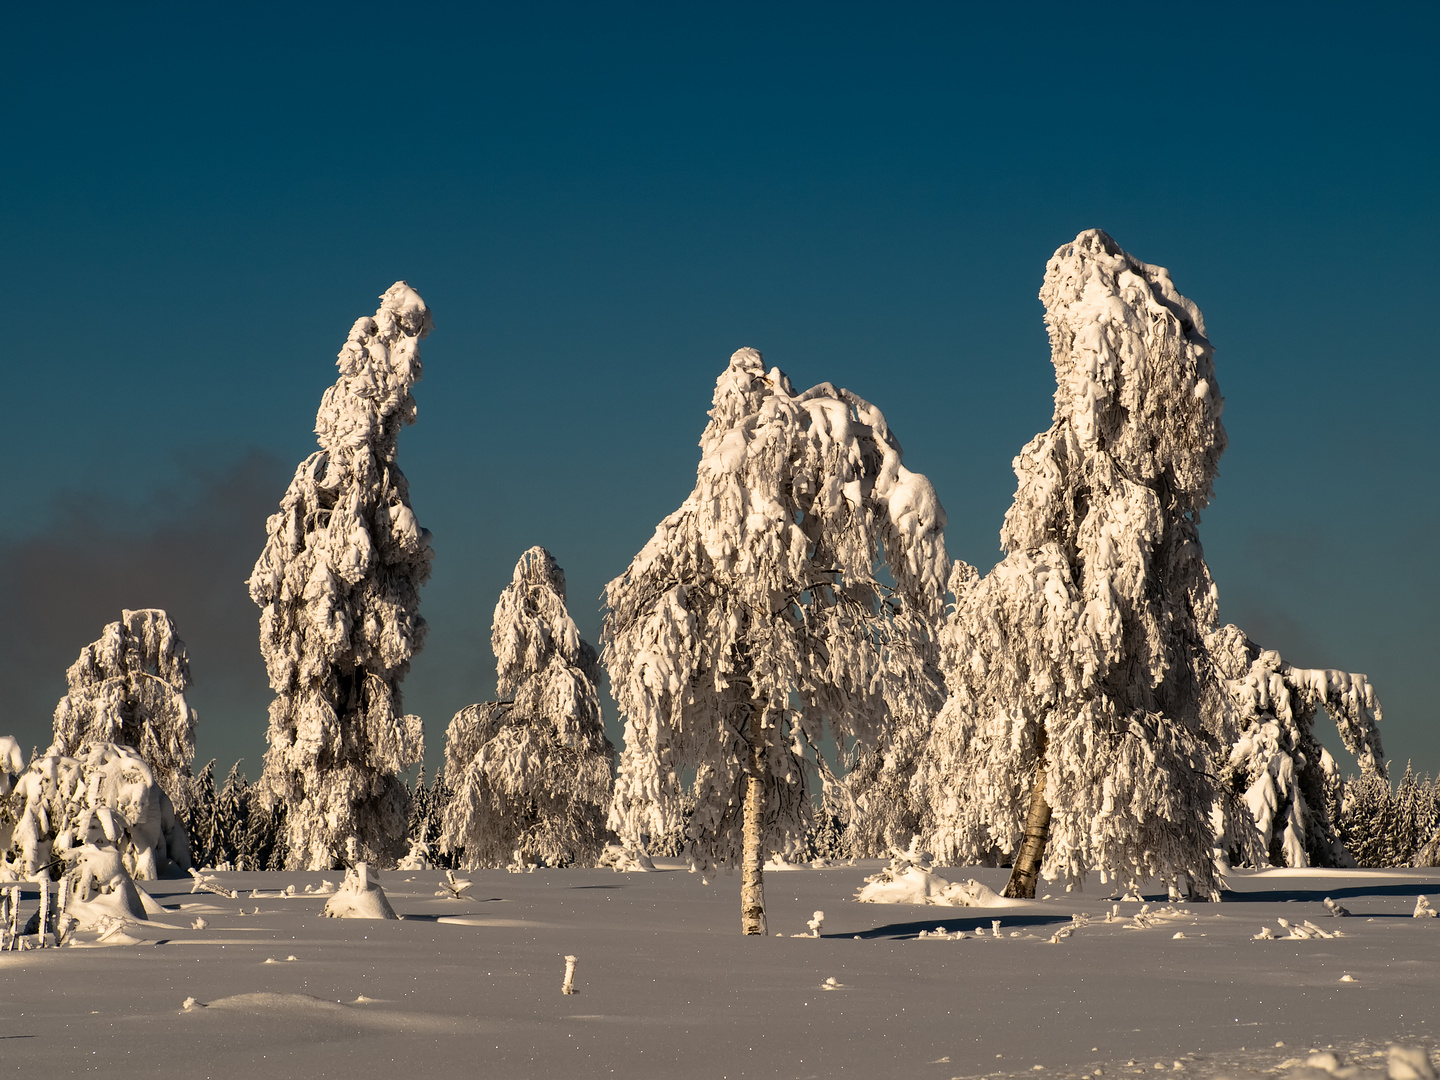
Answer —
(752, 861)
(1021, 885)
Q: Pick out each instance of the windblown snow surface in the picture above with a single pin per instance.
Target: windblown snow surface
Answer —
(667, 987)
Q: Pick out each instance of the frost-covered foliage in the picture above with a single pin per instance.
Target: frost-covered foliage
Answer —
(1083, 653)
(108, 795)
(129, 687)
(338, 587)
(230, 827)
(1381, 826)
(754, 618)
(531, 773)
(1289, 783)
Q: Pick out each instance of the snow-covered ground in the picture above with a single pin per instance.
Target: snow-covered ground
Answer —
(667, 987)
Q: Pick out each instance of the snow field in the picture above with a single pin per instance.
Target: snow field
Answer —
(665, 986)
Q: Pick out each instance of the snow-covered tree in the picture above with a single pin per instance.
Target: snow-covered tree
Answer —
(531, 773)
(1083, 706)
(129, 688)
(106, 795)
(338, 587)
(754, 619)
(1289, 783)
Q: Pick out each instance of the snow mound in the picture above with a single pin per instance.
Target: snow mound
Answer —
(622, 859)
(359, 897)
(909, 879)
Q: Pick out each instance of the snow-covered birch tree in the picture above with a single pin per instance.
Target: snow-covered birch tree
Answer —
(530, 774)
(338, 588)
(754, 618)
(1083, 707)
(1288, 782)
(129, 687)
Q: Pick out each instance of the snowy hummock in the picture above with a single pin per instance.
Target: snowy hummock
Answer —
(911, 879)
(359, 897)
(338, 588)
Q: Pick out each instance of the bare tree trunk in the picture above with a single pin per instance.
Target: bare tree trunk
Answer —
(1021, 885)
(752, 860)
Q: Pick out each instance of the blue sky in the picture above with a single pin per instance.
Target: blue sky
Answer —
(601, 202)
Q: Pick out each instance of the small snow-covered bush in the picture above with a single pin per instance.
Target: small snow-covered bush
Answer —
(107, 795)
(530, 775)
(129, 687)
(338, 587)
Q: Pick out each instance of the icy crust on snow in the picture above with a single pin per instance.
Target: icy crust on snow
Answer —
(1091, 630)
(129, 687)
(338, 588)
(1290, 783)
(106, 796)
(759, 594)
(530, 776)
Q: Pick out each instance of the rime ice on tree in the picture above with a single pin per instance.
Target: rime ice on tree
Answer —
(129, 687)
(753, 618)
(1290, 784)
(531, 774)
(338, 587)
(1080, 659)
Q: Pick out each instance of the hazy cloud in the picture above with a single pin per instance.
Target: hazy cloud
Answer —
(187, 549)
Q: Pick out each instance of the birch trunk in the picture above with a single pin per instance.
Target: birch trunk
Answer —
(1021, 885)
(752, 859)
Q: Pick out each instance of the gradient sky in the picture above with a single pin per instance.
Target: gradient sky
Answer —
(601, 202)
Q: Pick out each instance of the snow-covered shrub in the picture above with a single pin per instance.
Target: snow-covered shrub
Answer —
(1081, 697)
(754, 619)
(530, 774)
(338, 587)
(129, 687)
(1290, 783)
(107, 795)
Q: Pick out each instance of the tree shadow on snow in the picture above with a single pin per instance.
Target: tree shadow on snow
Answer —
(1315, 896)
(949, 923)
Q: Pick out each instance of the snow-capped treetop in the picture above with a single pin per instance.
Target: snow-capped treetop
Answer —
(1089, 635)
(338, 587)
(762, 585)
(542, 663)
(129, 687)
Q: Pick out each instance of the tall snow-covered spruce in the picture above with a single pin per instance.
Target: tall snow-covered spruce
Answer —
(1083, 708)
(338, 588)
(530, 774)
(754, 619)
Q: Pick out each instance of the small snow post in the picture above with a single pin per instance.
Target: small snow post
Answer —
(753, 618)
(338, 587)
(1082, 701)
(129, 688)
(531, 774)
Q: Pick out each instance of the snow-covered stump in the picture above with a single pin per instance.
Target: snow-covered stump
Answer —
(568, 986)
(359, 897)
(338, 587)
(753, 624)
(530, 776)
